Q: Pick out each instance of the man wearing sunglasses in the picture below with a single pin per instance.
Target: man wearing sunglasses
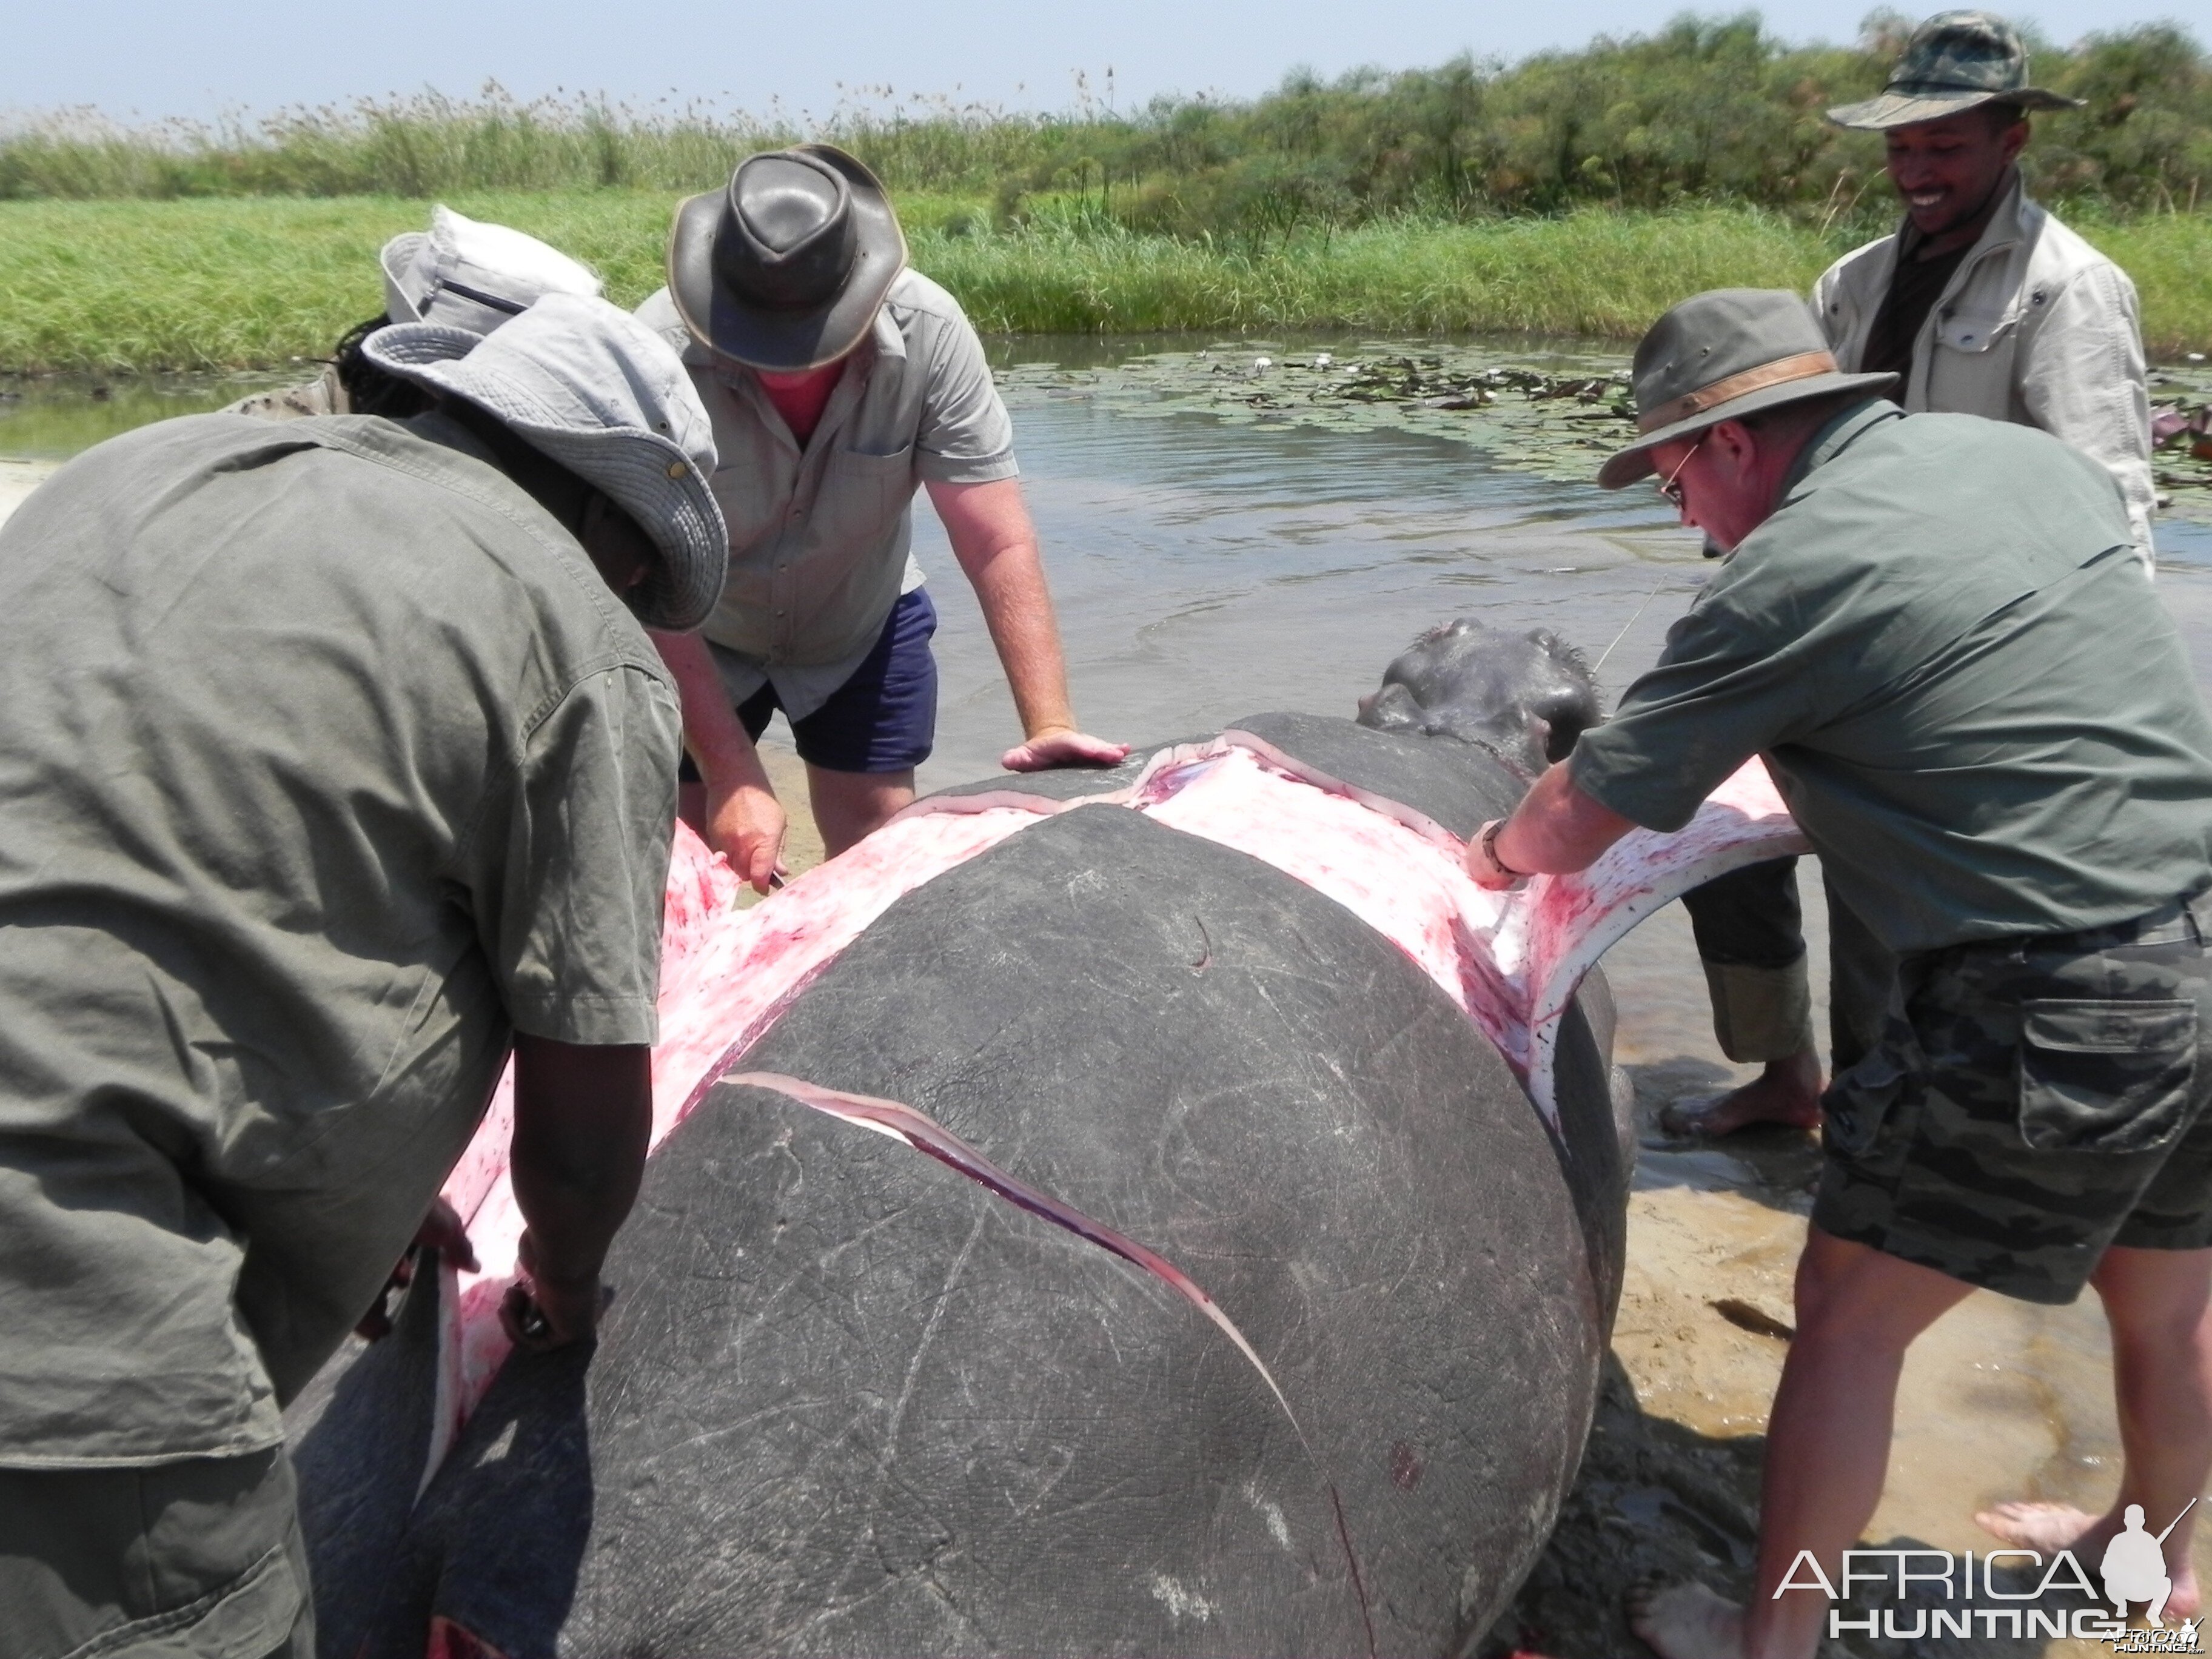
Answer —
(1914, 628)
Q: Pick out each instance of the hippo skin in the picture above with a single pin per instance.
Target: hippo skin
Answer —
(1233, 1003)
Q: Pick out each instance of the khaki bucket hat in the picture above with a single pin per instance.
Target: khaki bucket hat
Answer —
(1953, 61)
(589, 386)
(1722, 355)
(786, 269)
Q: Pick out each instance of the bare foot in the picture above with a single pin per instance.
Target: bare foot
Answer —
(1788, 1091)
(2050, 1527)
(2047, 1527)
(1686, 1621)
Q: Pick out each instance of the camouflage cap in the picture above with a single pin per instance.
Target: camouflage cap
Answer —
(1953, 61)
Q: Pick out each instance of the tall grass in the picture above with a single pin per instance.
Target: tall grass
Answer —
(122, 286)
(1707, 109)
(1593, 272)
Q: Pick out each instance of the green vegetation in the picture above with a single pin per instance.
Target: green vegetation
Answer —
(1707, 109)
(225, 284)
(1574, 192)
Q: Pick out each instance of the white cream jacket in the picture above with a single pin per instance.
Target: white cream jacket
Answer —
(2035, 326)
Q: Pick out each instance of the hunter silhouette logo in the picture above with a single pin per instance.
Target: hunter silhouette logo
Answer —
(2134, 1567)
(2002, 1594)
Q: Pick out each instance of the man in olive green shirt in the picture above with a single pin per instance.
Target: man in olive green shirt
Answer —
(334, 767)
(1934, 630)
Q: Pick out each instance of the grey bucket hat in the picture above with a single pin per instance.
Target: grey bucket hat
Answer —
(473, 275)
(589, 386)
(1953, 61)
(786, 269)
(1721, 355)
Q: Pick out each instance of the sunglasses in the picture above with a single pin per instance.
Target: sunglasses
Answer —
(1670, 489)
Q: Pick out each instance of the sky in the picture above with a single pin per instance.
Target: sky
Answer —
(137, 61)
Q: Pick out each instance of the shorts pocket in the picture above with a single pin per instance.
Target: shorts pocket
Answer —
(1859, 1103)
(2099, 1076)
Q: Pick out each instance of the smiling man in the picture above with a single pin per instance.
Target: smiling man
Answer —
(1980, 303)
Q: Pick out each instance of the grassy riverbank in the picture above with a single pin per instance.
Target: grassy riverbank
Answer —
(123, 286)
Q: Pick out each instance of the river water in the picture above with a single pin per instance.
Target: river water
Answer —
(1205, 570)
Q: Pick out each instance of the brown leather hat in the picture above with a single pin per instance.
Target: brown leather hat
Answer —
(787, 268)
(1721, 355)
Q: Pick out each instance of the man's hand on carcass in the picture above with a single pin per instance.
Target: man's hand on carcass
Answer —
(542, 1312)
(583, 1114)
(745, 824)
(1555, 829)
(1063, 745)
(1484, 866)
(441, 1230)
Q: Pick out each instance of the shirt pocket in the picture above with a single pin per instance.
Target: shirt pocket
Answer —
(2101, 1076)
(861, 499)
(1973, 332)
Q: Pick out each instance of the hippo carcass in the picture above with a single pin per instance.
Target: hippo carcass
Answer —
(1249, 1298)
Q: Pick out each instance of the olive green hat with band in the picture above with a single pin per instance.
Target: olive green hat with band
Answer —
(1955, 62)
(1722, 355)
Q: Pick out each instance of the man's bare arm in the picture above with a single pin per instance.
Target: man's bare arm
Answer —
(996, 545)
(744, 820)
(582, 1117)
(1555, 829)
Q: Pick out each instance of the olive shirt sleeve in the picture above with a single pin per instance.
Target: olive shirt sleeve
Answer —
(569, 863)
(965, 435)
(1723, 690)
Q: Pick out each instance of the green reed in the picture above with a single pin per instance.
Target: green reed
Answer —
(241, 282)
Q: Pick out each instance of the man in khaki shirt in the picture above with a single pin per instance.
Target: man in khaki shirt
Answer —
(838, 380)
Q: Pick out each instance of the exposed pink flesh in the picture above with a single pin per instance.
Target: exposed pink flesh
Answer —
(1510, 962)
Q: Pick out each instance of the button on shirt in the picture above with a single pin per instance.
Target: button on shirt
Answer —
(818, 537)
(1975, 706)
(327, 761)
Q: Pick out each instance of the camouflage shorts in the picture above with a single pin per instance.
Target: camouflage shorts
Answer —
(2031, 1103)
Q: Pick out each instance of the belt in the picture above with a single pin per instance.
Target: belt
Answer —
(2177, 921)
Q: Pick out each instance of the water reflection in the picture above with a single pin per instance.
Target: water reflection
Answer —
(53, 417)
(1205, 571)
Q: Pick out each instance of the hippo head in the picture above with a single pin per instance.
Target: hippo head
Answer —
(1524, 697)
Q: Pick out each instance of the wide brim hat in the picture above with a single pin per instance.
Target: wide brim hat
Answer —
(786, 269)
(1722, 355)
(1955, 62)
(595, 390)
(473, 275)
